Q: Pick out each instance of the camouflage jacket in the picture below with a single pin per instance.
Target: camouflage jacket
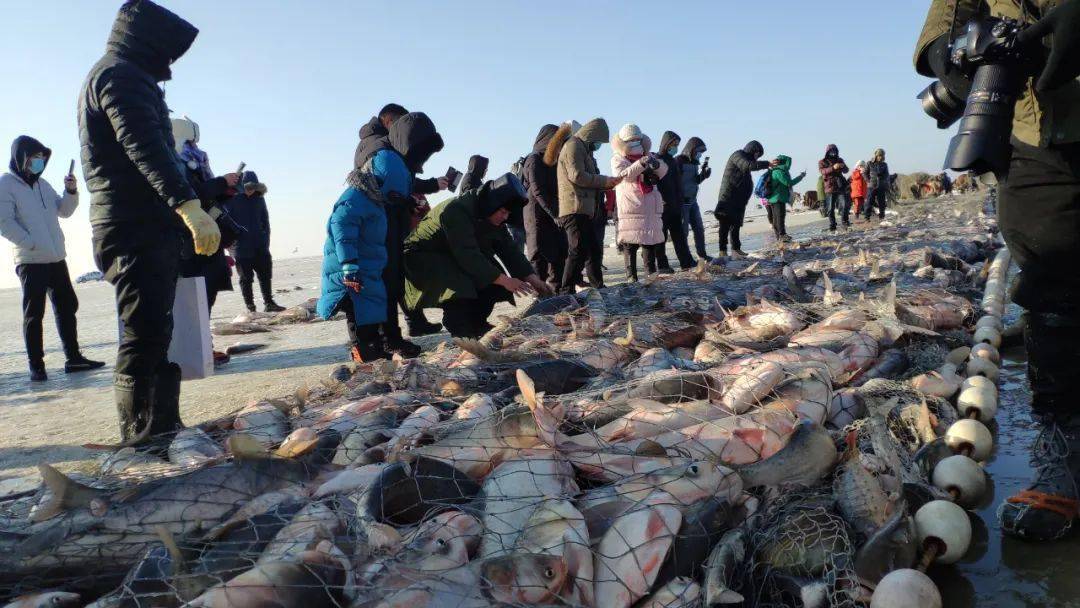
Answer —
(1041, 119)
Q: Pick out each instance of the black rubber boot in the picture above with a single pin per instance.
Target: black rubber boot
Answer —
(134, 396)
(272, 306)
(79, 363)
(401, 346)
(630, 260)
(250, 305)
(420, 326)
(1048, 507)
(366, 352)
(166, 419)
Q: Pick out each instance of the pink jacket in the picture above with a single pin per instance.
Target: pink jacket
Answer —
(640, 212)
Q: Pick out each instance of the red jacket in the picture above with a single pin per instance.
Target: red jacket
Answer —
(858, 184)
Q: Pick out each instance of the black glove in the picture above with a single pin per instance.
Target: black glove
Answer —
(1062, 24)
(352, 281)
(652, 163)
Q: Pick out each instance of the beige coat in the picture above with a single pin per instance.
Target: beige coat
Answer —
(580, 181)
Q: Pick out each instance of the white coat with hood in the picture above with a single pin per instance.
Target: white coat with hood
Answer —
(640, 207)
(29, 218)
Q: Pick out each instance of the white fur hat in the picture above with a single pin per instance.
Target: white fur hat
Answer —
(184, 129)
(629, 132)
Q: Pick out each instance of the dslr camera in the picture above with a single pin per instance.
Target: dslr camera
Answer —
(649, 176)
(991, 56)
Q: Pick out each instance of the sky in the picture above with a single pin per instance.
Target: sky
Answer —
(285, 86)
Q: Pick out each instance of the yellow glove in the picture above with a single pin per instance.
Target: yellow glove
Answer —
(204, 229)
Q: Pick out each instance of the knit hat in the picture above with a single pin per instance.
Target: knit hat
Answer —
(629, 132)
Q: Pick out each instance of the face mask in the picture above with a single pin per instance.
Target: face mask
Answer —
(37, 165)
(596, 145)
(636, 148)
(673, 150)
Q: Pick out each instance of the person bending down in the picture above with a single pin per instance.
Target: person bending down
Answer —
(454, 259)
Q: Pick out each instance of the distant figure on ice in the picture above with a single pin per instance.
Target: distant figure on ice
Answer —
(692, 171)
(877, 184)
(29, 217)
(637, 198)
(252, 248)
(832, 169)
(671, 190)
(781, 184)
(735, 191)
(858, 188)
(545, 241)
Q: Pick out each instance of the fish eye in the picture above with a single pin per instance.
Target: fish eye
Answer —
(549, 573)
(692, 470)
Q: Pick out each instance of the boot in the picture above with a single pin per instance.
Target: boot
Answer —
(272, 306)
(420, 326)
(166, 419)
(79, 363)
(250, 305)
(630, 260)
(134, 396)
(366, 352)
(738, 253)
(1047, 508)
(401, 346)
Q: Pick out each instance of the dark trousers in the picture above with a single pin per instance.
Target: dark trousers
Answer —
(52, 280)
(358, 334)
(778, 218)
(838, 201)
(549, 271)
(729, 230)
(584, 252)
(691, 221)
(467, 317)
(262, 266)
(1039, 216)
(648, 258)
(142, 262)
(673, 232)
(875, 197)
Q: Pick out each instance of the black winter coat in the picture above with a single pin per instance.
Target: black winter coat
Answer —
(131, 168)
(250, 212)
(542, 234)
(737, 185)
(372, 139)
(670, 185)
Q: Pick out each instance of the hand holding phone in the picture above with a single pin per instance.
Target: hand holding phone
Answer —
(453, 178)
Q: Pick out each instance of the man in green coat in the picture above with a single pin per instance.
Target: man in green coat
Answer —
(455, 258)
(781, 183)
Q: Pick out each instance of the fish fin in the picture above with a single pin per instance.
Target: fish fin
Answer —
(281, 405)
(629, 339)
(298, 448)
(829, 294)
(179, 565)
(750, 437)
(245, 447)
(302, 394)
(66, 493)
(648, 447)
(476, 349)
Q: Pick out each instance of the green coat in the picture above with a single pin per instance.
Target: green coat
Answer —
(453, 254)
(782, 181)
(1040, 119)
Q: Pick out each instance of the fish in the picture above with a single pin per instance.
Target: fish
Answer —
(524, 578)
(368, 430)
(275, 501)
(809, 455)
(807, 541)
(410, 432)
(405, 493)
(46, 599)
(720, 568)
(314, 522)
(859, 496)
(943, 382)
(479, 405)
(513, 491)
(891, 364)
(193, 446)
(264, 422)
(243, 347)
(550, 305)
(313, 580)
(747, 390)
(557, 528)
(891, 547)
(846, 407)
(128, 460)
(628, 557)
(681, 592)
(238, 329)
(703, 524)
(668, 386)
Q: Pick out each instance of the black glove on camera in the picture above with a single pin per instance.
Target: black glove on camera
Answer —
(1062, 24)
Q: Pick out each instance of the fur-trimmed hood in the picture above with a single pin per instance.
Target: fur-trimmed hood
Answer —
(554, 147)
(622, 148)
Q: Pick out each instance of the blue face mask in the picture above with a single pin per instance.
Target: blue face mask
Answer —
(673, 150)
(37, 165)
(596, 146)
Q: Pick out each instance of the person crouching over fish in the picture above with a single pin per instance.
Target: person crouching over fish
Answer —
(354, 255)
(453, 258)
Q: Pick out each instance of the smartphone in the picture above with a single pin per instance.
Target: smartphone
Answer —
(71, 167)
(240, 169)
(453, 177)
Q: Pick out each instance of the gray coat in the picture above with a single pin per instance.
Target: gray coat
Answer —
(690, 171)
(29, 218)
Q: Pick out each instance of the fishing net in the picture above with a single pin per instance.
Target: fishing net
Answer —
(653, 444)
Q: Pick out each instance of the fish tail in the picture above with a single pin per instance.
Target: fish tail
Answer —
(66, 493)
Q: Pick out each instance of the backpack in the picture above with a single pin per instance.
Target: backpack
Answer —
(764, 187)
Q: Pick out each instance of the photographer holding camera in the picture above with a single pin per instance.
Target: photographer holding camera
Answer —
(638, 200)
(1016, 65)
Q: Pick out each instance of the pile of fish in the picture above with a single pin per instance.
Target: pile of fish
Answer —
(262, 322)
(754, 432)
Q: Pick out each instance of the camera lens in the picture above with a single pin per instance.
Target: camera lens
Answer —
(941, 105)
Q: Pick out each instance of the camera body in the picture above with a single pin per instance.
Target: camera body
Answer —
(989, 53)
(649, 176)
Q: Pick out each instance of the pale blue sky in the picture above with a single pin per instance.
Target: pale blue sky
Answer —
(284, 86)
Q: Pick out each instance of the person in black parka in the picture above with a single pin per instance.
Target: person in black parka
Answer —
(252, 248)
(545, 242)
(671, 189)
(372, 139)
(735, 191)
(140, 202)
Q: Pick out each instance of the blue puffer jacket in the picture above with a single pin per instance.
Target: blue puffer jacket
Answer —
(356, 239)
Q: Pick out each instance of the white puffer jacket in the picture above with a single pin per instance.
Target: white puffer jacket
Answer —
(640, 213)
(29, 218)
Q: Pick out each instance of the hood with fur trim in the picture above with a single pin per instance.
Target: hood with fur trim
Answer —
(622, 148)
(554, 147)
(544, 137)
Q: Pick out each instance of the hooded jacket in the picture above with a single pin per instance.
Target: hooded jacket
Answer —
(737, 186)
(641, 207)
(834, 178)
(128, 157)
(671, 184)
(30, 208)
(250, 212)
(689, 169)
(858, 183)
(374, 137)
(580, 183)
(542, 235)
(877, 173)
(782, 181)
(455, 252)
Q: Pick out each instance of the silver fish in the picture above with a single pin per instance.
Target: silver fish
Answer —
(808, 456)
(720, 568)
